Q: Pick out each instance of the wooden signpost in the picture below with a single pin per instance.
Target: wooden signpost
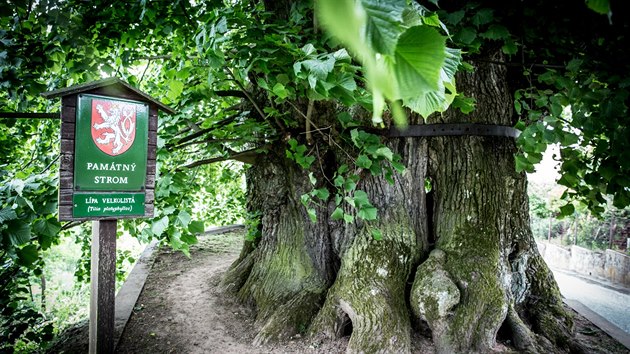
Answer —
(106, 173)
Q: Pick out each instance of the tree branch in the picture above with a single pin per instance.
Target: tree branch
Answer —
(145, 71)
(71, 224)
(248, 157)
(251, 99)
(230, 93)
(201, 132)
(524, 65)
(191, 23)
(209, 140)
(309, 114)
(25, 115)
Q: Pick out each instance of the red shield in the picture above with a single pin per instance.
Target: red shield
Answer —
(113, 126)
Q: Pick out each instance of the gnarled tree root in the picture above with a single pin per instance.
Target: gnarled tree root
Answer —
(369, 295)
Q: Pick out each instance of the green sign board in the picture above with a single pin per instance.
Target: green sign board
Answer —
(110, 157)
(107, 204)
(110, 144)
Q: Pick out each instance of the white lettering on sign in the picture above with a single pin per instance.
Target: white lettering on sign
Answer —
(118, 200)
(96, 166)
(117, 209)
(90, 200)
(110, 180)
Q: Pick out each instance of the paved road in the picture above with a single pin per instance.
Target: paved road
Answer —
(608, 303)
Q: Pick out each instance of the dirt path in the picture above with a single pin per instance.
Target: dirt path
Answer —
(181, 310)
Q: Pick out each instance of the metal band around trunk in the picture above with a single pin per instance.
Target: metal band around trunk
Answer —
(457, 129)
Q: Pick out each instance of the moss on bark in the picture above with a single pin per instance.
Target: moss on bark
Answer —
(485, 271)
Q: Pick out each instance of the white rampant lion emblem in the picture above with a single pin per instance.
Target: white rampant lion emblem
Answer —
(115, 130)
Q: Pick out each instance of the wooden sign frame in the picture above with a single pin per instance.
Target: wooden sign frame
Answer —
(103, 252)
(109, 88)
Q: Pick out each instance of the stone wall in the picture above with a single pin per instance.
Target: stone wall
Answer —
(617, 267)
(611, 265)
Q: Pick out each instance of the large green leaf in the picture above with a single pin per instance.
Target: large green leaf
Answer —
(160, 226)
(27, 255)
(47, 230)
(319, 67)
(599, 6)
(19, 232)
(382, 26)
(7, 214)
(196, 227)
(451, 61)
(368, 213)
(420, 55)
(183, 218)
(341, 20)
(432, 101)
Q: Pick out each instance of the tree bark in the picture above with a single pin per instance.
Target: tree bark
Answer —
(461, 259)
(486, 265)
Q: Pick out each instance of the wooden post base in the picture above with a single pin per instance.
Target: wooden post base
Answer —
(103, 286)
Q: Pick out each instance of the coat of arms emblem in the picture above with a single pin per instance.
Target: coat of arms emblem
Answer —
(113, 126)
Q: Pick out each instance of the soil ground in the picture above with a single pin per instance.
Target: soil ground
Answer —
(181, 310)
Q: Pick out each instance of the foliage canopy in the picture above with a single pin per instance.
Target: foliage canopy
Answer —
(239, 81)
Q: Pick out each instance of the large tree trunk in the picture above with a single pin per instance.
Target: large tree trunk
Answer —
(460, 260)
(485, 270)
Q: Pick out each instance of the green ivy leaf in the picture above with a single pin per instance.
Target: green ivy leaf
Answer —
(305, 199)
(600, 6)
(368, 213)
(467, 104)
(420, 54)
(364, 162)
(399, 167)
(176, 88)
(280, 91)
(47, 230)
(376, 234)
(160, 226)
(337, 214)
(183, 218)
(496, 32)
(567, 210)
(385, 152)
(360, 199)
(7, 214)
(522, 164)
(466, 35)
(19, 232)
(482, 17)
(312, 214)
(27, 255)
(382, 23)
(509, 47)
(322, 193)
(196, 227)
(319, 68)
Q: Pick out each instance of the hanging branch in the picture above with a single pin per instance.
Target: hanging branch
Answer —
(230, 93)
(247, 156)
(201, 132)
(528, 65)
(71, 224)
(253, 102)
(25, 115)
(309, 114)
(145, 70)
